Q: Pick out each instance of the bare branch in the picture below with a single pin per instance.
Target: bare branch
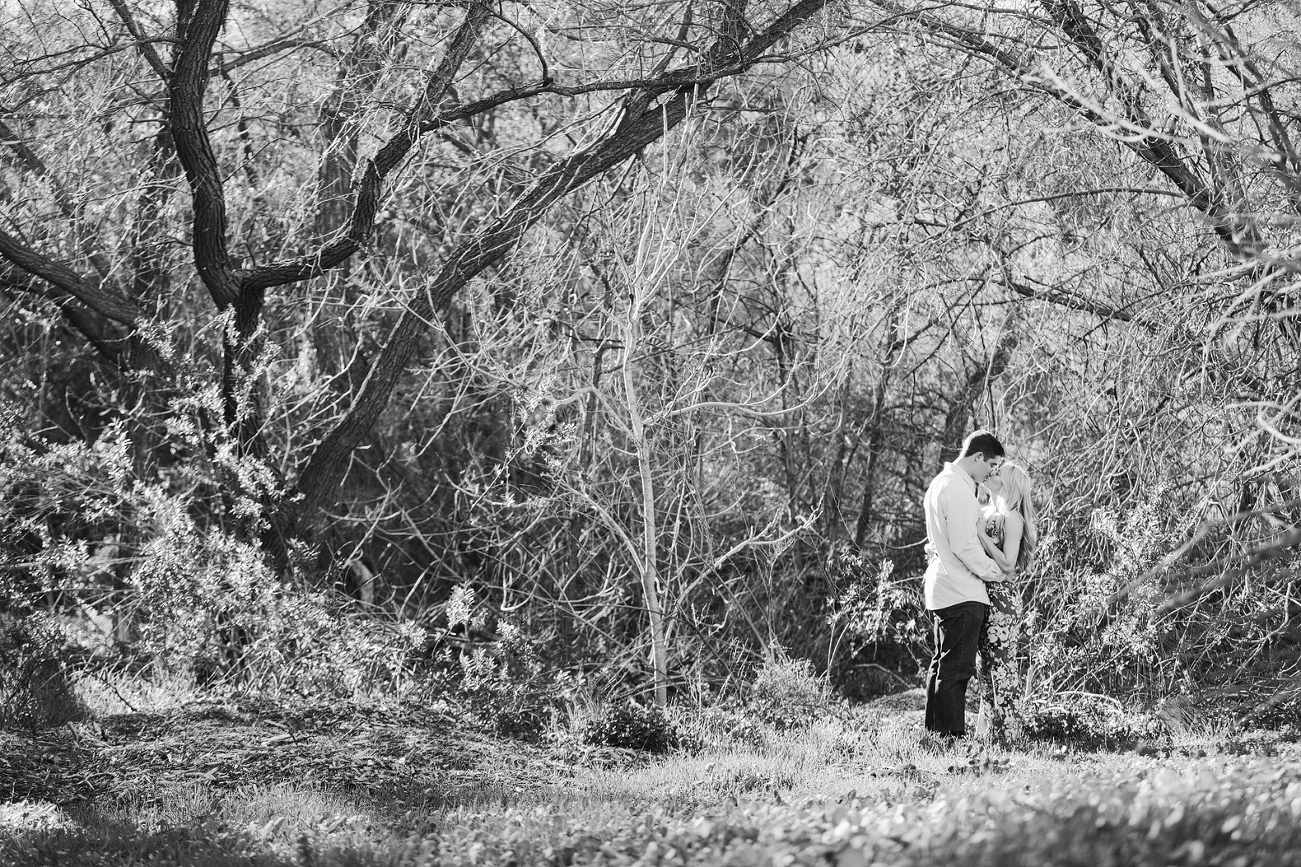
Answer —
(392, 153)
(1281, 546)
(146, 46)
(1074, 303)
(109, 341)
(328, 463)
(34, 164)
(67, 282)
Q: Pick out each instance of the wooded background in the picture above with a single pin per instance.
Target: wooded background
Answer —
(635, 331)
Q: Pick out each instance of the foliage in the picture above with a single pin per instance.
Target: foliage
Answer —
(505, 677)
(722, 726)
(35, 688)
(1091, 723)
(201, 600)
(56, 500)
(1281, 713)
(787, 694)
(632, 726)
(123, 845)
(1094, 625)
(1142, 818)
(1097, 617)
(876, 614)
(397, 266)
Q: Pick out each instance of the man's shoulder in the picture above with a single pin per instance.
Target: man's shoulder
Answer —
(945, 478)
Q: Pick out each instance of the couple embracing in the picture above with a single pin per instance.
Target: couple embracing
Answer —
(973, 554)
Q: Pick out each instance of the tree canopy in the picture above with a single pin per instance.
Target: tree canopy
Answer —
(647, 324)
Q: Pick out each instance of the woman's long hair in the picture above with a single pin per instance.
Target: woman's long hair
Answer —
(1015, 497)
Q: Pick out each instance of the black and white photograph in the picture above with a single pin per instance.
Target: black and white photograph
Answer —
(680, 433)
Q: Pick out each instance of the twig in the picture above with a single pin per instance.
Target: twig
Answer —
(116, 691)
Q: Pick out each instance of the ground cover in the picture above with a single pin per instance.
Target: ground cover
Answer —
(249, 781)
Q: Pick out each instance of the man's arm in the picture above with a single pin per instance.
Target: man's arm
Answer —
(964, 516)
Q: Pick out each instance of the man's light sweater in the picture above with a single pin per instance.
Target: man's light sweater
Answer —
(957, 562)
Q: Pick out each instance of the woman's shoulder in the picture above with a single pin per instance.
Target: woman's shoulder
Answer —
(1014, 519)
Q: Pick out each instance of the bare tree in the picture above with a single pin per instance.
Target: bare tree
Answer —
(209, 101)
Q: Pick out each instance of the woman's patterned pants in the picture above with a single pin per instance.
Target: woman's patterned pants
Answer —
(1000, 715)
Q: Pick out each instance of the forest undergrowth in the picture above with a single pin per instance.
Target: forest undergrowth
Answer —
(166, 774)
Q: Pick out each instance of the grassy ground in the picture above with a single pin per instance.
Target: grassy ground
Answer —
(252, 782)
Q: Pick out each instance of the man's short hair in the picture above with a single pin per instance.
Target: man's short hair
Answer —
(984, 442)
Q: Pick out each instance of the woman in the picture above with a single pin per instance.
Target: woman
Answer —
(1009, 534)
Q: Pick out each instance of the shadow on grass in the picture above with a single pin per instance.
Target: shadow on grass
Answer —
(107, 844)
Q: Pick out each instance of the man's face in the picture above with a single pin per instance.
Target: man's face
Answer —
(985, 466)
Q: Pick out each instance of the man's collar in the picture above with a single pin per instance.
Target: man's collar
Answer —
(953, 467)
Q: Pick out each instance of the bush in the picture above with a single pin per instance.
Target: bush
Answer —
(1281, 713)
(1091, 723)
(633, 727)
(204, 601)
(34, 688)
(504, 679)
(212, 607)
(879, 625)
(787, 694)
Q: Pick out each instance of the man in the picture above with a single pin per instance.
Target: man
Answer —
(956, 572)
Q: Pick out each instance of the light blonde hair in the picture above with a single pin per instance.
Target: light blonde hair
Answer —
(1016, 497)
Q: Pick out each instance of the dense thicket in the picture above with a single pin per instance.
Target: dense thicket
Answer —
(643, 327)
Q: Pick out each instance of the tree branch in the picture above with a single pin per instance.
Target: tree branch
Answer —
(68, 283)
(34, 164)
(146, 46)
(194, 148)
(109, 341)
(392, 153)
(1147, 143)
(1082, 304)
(329, 461)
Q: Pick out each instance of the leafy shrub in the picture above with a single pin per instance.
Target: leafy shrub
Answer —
(1092, 617)
(786, 693)
(630, 726)
(34, 687)
(207, 604)
(1091, 723)
(874, 615)
(212, 607)
(503, 677)
(1282, 713)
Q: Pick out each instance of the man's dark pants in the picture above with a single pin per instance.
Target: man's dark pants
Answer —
(957, 635)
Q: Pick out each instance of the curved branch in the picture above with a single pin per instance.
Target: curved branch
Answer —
(713, 68)
(194, 148)
(68, 283)
(146, 47)
(1149, 145)
(109, 341)
(329, 462)
(69, 208)
(372, 183)
(1073, 303)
